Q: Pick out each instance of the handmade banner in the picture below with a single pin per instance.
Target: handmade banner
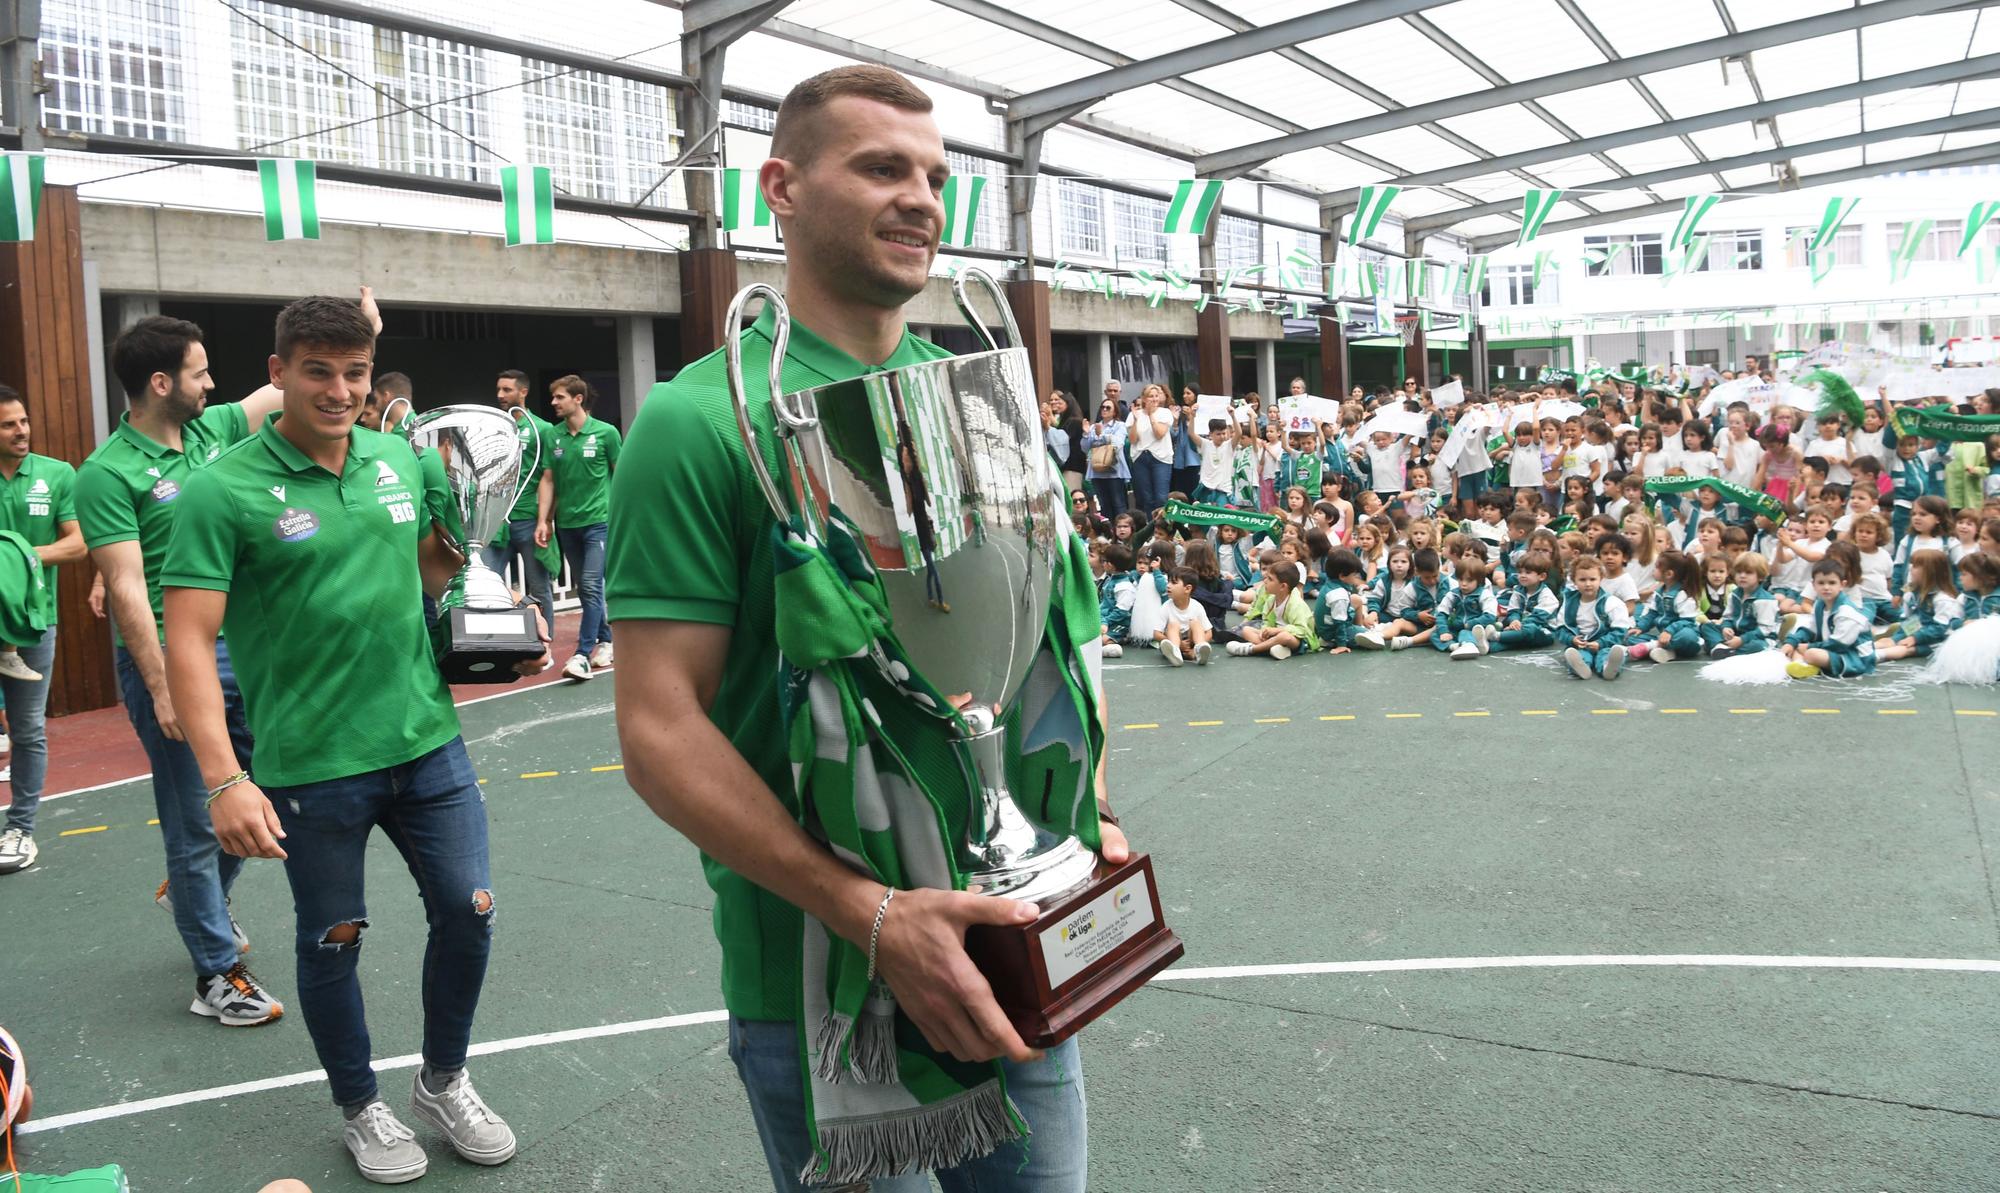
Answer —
(1451, 393)
(1318, 409)
(1187, 513)
(1396, 420)
(1941, 422)
(1761, 504)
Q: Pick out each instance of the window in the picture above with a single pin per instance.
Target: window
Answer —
(1639, 254)
(115, 67)
(1735, 250)
(1239, 243)
(444, 82)
(1080, 217)
(1136, 222)
(1846, 247)
(1939, 245)
(295, 103)
(989, 227)
(569, 126)
(1514, 286)
(761, 118)
(649, 143)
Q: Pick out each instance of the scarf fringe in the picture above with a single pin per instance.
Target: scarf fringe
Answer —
(941, 1135)
(873, 1058)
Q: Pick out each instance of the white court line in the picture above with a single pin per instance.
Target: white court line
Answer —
(140, 778)
(169, 1101)
(1406, 965)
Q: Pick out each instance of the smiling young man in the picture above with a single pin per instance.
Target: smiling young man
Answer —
(37, 502)
(127, 496)
(584, 454)
(311, 543)
(857, 163)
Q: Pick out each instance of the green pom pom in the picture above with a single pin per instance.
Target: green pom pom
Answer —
(1836, 396)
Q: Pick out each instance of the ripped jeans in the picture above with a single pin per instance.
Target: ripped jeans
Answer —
(432, 811)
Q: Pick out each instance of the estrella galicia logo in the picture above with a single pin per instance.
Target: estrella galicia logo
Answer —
(295, 526)
(166, 490)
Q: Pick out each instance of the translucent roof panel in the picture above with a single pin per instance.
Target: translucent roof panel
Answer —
(1730, 140)
(1502, 130)
(1398, 61)
(1522, 39)
(1756, 14)
(1653, 155)
(1795, 68)
(1605, 108)
(1633, 29)
(1917, 42)
(1281, 86)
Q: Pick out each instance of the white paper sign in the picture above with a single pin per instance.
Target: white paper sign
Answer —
(1396, 421)
(1320, 410)
(1451, 393)
(1208, 406)
(1093, 930)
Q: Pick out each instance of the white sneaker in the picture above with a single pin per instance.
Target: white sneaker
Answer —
(1661, 654)
(6, 744)
(475, 1132)
(235, 998)
(13, 667)
(1239, 649)
(1400, 642)
(1113, 650)
(386, 1151)
(1464, 651)
(1613, 660)
(17, 851)
(1369, 640)
(1204, 653)
(1577, 666)
(1281, 652)
(578, 667)
(1171, 650)
(601, 657)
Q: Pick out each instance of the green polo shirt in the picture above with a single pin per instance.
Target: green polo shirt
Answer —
(34, 505)
(527, 432)
(690, 541)
(130, 487)
(325, 619)
(583, 460)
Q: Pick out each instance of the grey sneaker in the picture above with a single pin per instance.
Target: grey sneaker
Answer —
(602, 656)
(235, 998)
(386, 1151)
(475, 1132)
(12, 667)
(17, 851)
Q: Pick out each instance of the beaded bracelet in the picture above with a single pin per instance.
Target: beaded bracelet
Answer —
(875, 933)
(242, 776)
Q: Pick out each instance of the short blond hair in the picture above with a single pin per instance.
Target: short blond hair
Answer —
(794, 137)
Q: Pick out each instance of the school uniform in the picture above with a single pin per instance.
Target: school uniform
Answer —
(1333, 615)
(1294, 615)
(1602, 624)
(1537, 612)
(1910, 544)
(1674, 613)
(1713, 603)
(1928, 621)
(1753, 619)
(1389, 599)
(1301, 470)
(1873, 594)
(1461, 610)
(1977, 606)
(1841, 628)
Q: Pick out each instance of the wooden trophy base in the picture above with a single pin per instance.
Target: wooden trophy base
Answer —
(1082, 957)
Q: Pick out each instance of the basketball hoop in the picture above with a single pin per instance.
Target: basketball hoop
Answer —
(1406, 328)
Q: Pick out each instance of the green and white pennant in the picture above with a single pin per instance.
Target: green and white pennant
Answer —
(21, 184)
(1975, 221)
(960, 196)
(1535, 209)
(1372, 206)
(291, 199)
(1194, 204)
(743, 201)
(1693, 210)
(1914, 234)
(1837, 211)
(528, 205)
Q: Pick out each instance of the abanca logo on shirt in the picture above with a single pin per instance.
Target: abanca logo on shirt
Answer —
(295, 526)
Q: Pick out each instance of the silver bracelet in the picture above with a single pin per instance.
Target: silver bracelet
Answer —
(875, 933)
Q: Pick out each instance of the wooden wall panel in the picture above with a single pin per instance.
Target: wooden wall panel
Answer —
(45, 354)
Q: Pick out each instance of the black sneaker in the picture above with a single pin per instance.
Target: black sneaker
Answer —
(235, 997)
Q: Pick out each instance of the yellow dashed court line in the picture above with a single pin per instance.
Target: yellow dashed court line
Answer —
(150, 823)
(1679, 712)
(78, 832)
(1145, 725)
(1749, 712)
(1819, 712)
(598, 770)
(1540, 712)
(1609, 712)
(1202, 724)
(1274, 720)
(1341, 717)
(1895, 712)
(1472, 714)
(541, 774)
(1401, 716)
(1978, 712)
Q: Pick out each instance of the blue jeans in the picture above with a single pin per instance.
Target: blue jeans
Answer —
(534, 581)
(583, 550)
(432, 810)
(27, 707)
(1149, 482)
(1110, 492)
(199, 874)
(1049, 1094)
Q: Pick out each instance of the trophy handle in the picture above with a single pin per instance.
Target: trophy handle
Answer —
(518, 413)
(964, 301)
(390, 407)
(788, 420)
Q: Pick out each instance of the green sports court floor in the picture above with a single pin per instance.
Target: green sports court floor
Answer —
(1726, 938)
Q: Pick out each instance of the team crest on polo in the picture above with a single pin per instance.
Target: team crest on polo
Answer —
(295, 526)
(165, 490)
(214, 451)
(590, 447)
(385, 475)
(38, 488)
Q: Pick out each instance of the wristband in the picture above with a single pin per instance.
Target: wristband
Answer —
(875, 933)
(239, 777)
(1104, 816)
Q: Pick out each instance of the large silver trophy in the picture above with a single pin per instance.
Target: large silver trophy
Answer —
(480, 632)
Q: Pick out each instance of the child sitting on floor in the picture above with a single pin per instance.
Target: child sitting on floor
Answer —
(1749, 624)
(1593, 624)
(1468, 613)
(1931, 609)
(1280, 622)
(1531, 607)
(1185, 632)
(1834, 638)
(1336, 615)
(1666, 626)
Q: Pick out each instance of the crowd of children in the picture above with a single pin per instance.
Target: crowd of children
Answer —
(1535, 530)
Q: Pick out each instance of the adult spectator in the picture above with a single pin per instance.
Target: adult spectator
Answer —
(1150, 429)
(585, 455)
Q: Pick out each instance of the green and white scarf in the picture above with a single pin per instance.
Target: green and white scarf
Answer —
(1188, 513)
(1942, 422)
(1761, 504)
(880, 781)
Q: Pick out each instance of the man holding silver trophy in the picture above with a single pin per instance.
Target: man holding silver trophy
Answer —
(860, 639)
(312, 543)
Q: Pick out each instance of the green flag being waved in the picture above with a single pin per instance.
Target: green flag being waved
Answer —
(1535, 209)
(1195, 201)
(1187, 513)
(1374, 204)
(1942, 422)
(1761, 504)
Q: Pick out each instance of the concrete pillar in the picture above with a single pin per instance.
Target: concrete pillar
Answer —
(1579, 351)
(1679, 346)
(1481, 372)
(1098, 371)
(1267, 370)
(637, 368)
(128, 309)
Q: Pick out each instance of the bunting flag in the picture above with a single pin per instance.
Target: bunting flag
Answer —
(1303, 271)
(1693, 211)
(1417, 278)
(1974, 222)
(291, 199)
(1535, 210)
(1368, 215)
(1469, 278)
(1986, 266)
(21, 182)
(1822, 264)
(1837, 211)
(528, 202)
(1195, 201)
(743, 201)
(961, 207)
(1370, 282)
(1543, 260)
(1914, 234)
